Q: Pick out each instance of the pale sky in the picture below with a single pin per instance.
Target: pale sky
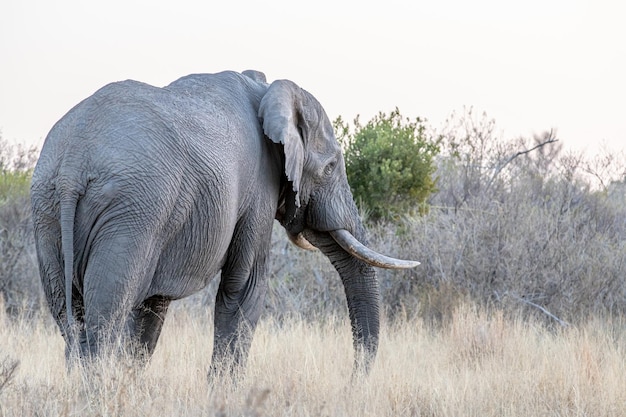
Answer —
(532, 65)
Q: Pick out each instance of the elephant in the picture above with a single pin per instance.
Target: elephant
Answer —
(143, 194)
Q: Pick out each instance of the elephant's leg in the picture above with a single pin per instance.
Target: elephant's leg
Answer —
(239, 304)
(147, 324)
(117, 271)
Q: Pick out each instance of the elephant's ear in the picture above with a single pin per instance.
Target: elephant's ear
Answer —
(257, 76)
(280, 111)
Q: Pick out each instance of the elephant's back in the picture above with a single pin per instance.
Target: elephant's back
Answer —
(200, 112)
(108, 120)
(174, 145)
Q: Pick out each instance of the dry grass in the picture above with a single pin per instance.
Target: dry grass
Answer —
(478, 364)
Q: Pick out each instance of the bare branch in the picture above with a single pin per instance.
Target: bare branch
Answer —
(550, 139)
(563, 323)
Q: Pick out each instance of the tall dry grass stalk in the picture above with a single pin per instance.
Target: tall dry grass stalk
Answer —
(478, 364)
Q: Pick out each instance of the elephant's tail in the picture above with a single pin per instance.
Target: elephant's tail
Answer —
(68, 203)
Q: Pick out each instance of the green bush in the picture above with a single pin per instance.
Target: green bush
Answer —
(13, 184)
(389, 163)
(16, 168)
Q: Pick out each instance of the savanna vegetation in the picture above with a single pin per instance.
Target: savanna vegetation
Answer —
(517, 309)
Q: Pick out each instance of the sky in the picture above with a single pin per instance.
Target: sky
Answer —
(532, 66)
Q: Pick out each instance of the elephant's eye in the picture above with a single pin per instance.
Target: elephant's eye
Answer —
(330, 167)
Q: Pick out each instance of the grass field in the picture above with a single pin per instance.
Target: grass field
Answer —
(478, 364)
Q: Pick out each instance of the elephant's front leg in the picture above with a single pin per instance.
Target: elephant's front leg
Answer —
(238, 306)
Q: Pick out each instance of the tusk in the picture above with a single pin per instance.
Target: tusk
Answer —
(355, 248)
(300, 241)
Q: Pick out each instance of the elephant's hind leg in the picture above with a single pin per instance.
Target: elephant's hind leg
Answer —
(117, 270)
(48, 243)
(147, 323)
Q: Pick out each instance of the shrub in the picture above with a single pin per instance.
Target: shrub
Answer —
(519, 224)
(389, 164)
(513, 225)
(19, 281)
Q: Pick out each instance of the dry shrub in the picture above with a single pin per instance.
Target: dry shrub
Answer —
(19, 279)
(19, 282)
(570, 261)
(518, 224)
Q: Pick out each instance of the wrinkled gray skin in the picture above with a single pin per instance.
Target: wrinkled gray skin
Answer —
(144, 194)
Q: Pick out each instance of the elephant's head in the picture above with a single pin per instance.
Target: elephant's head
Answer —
(316, 204)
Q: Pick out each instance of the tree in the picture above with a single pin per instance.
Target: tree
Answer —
(389, 164)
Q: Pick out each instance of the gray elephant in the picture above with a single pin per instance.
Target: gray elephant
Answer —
(142, 195)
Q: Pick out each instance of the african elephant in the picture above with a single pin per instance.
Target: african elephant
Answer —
(142, 195)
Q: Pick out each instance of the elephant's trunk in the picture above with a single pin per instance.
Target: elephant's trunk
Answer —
(362, 294)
